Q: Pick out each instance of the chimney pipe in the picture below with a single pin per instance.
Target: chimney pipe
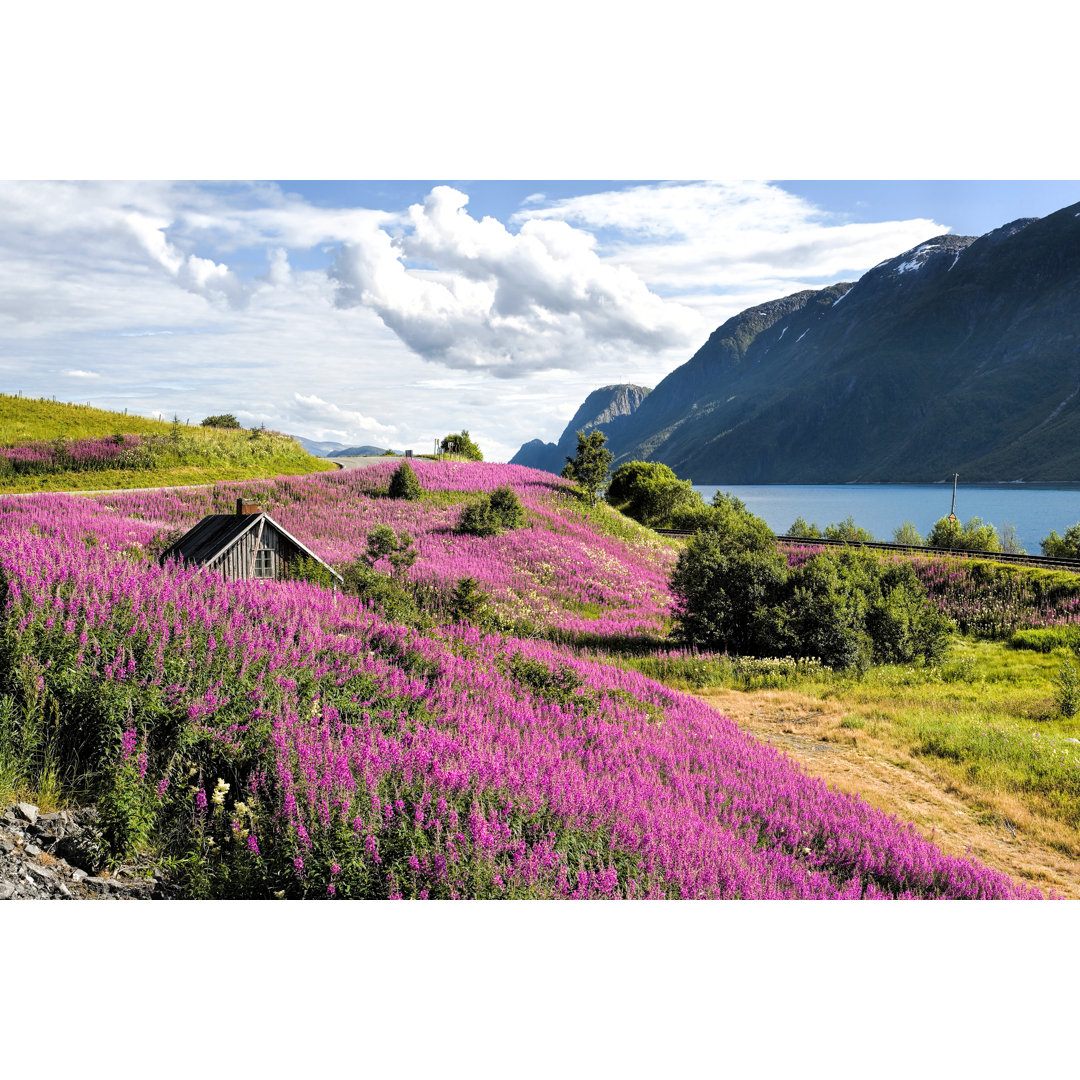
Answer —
(247, 507)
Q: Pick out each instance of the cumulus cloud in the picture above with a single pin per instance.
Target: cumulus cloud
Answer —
(204, 277)
(471, 294)
(77, 374)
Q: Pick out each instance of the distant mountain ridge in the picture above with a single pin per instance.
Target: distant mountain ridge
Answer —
(959, 355)
(336, 449)
(609, 407)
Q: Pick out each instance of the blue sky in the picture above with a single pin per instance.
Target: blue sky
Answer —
(392, 312)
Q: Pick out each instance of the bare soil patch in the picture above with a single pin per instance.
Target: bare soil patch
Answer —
(993, 827)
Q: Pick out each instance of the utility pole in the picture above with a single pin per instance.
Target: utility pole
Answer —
(952, 509)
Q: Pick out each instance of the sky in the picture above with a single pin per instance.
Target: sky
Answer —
(391, 313)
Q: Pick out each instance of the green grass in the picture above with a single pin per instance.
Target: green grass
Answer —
(987, 716)
(185, 454)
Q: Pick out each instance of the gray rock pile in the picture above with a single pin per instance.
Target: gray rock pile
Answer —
(59, 857)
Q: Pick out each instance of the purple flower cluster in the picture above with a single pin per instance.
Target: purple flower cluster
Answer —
(109, 452)
(373, 761)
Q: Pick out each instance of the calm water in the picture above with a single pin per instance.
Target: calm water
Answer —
(1034, 509)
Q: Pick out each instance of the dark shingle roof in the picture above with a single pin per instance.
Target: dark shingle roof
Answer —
(210, 537)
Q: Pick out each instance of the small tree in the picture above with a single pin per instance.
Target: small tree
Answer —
(803, 531)
(462, 446)
(908, 535)
(589, 468)
(403, 484)
(847, 530)
(224, 420)
(1063, 547)
(972, 536)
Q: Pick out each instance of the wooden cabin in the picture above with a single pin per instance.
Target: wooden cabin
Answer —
(246, 545)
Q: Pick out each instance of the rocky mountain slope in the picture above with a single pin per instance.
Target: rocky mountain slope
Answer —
(960, 355)
(609, 408)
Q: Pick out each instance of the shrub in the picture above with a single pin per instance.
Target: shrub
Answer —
(847, 530)
(462, 446)
(724, 579)
(973, 535)
(223, 420)
(492, 514)
(847, 608)
(468, 602)
(651, 493)
(908, 535)
(403, 484)
(312, 571)
(506, 507)
(1067, 689)
(1063, 547)
(800, 529)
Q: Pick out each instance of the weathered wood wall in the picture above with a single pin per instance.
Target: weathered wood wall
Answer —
(237, 562)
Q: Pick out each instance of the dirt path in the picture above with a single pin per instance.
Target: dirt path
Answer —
(808, 730)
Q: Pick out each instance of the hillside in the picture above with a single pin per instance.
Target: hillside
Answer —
(280, 739)
(56, 446)
(960, 355)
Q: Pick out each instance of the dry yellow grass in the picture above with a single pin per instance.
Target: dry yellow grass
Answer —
(994, 827)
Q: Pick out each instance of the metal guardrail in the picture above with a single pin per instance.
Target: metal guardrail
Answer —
(994, 556)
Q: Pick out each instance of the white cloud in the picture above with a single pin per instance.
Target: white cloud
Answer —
(509, 303)
(180, 298)
(338, 424)
(712, 236)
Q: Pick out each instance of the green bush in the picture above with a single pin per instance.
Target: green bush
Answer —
(973, 535)
(1067, 689)
(403, 484)
(1063, 547)
(651, 493)
(313, 571)
(492, 514)
(849, 609)
(908, 535)
(800, 529)
(847, 530)
(223, 420)
(462, 446)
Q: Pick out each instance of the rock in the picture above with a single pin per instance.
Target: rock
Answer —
(32, 849)
(65, 890)
(79, 876)
(7, 889)
(6, 847)
(28, 812)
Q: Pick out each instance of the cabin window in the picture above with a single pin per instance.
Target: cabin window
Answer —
(264, 563)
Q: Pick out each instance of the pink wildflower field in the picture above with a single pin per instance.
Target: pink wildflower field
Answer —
(282, 739)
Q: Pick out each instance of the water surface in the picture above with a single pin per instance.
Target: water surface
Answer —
(1033, 509)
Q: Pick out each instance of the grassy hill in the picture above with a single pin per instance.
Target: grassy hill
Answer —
(279, 739)
(58, 446)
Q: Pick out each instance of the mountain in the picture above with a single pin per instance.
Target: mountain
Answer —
(319, 449)
(336, 449)
(960, 355)
(359, 451)
(609, 408)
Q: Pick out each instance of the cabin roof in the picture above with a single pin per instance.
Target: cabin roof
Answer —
(212, 536)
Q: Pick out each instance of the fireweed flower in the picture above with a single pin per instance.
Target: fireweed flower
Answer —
(340, 710)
